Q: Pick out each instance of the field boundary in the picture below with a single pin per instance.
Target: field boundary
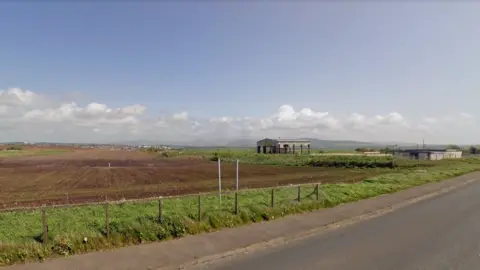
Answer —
(155, 198)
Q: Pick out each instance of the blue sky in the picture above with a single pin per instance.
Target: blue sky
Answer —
(419, 60)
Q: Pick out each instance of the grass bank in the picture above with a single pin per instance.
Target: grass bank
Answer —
(134, 223)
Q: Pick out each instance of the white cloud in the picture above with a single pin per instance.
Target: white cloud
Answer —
(183, 116)
(423, 127)
(430, 120)
(466, 115)
(392, 118)
(16, 97)
(26, 115)
(3, 110)
(360, 122)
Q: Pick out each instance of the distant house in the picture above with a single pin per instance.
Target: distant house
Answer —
(277, 146)
(429, 154)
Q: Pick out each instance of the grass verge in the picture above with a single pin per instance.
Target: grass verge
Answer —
(135, 223)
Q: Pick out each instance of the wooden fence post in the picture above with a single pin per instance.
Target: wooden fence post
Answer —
(107, 219)
(298, 194)
(236, 203)
(199, 207)
(273, 198)
(160, 210)
(44, 225)
(317, 187)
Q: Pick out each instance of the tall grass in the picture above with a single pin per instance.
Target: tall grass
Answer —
(134, 223)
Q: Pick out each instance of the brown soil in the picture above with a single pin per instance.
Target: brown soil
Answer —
(84, 176)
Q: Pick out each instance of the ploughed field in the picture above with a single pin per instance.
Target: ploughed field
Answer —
(80, 176)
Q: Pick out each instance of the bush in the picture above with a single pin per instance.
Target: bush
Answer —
(15, 148)
(307, 160)
(352, 162)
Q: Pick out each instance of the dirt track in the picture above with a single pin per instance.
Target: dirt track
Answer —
(85, 175)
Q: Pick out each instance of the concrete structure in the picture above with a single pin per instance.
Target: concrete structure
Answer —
(429, 154)
(286, 146)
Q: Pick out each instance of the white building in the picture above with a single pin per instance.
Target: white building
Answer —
(272, 146)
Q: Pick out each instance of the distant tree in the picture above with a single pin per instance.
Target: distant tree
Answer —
(386, 150)
(473, 150)
(215, 156)
(16, 147)
(363, 150)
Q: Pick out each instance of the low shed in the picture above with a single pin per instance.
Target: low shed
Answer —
(429, 154)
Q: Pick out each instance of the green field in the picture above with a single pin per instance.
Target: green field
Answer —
(133, 223)
(28, 152)
(249, 156)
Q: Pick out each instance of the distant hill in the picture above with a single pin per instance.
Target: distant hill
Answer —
(325, 144)
(316, 144)
(341, 144)
(250, 143)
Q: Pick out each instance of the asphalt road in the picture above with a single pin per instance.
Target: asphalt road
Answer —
(439, 233)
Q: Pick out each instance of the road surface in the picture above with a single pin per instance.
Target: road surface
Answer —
(439, 233)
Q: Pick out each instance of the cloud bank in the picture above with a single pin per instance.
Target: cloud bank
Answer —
(30, 116)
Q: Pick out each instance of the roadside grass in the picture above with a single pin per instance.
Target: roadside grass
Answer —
(134, 223)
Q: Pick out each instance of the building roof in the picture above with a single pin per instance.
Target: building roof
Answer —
(284, 140)
(279, 141)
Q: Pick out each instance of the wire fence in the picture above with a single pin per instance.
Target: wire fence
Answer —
(39, 222)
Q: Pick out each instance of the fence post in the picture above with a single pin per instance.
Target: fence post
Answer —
(160, 210)
(44, 225)
(107, 219)
(199, 207)
(236, 203)
(220, 180)
(298, 194)
(236, 177)
(316, 190)
(273, 198)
